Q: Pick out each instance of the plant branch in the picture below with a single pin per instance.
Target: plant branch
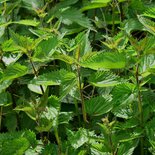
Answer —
(80, 87)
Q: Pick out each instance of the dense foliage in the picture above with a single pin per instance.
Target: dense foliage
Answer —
(77, 77)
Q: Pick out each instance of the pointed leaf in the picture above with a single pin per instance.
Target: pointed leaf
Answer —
(105, 60)
(104, 79)
(97, 106)
(54, 78)
(14, 71)
(45, 49)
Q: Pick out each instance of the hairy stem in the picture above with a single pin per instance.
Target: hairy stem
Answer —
(58, 141)
(113, 18)
(140, 108)
(81, 95)
(1, 113)
(80, 86)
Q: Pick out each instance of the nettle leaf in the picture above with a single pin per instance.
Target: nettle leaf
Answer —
(83, 43)
(148, 24)
(74, 15)
(65, 117)
(63, 57)
(54, 78)
(5, 84)
(104, 79)
(96, 4)
(21, 22)
(5, 99)
(148, 45)
(147, 63)
(16, 142)
(127, 148)
(2, 28)
(48, 119)
(60, 6)
(10, 46)
(30, 111)
(133, 24)
(16, 146)
(97, 106)
(45, 49)
(79, 138)
(123, 96)
(14, 71)
(32, 5)
(71, 15)
(105, 60)
(150, 12)
(24, 43)
(67, 88)
(27, 22)
(36, 88)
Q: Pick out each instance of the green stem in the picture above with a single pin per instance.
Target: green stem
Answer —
(140, 108)
(80, 86)
(77, 110)
(81, 95)
(111, 143)
(113, 18)
(1, 113)
(58, 141)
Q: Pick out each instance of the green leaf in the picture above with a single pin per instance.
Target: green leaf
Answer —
(54, 78)
(2, 28)
(36, 88)
(132, 25)
(45, 49)
(48, 119)
(123, 96)
(23, 43)
(60, 6)
(32, 5)
(27, 22)
(78, 138)
(63, 57)
(148, 24)
(5, 99)
(104, 79)
(4, 84)
(105, 60)
(14, 71)
(21, 22)
(95, 4)
(150, 12)
(83, 43)
(15, 147)
(30, 111)
(97, 106)
(72, 15)
(127, 148)
(11, 122)
(65, 117)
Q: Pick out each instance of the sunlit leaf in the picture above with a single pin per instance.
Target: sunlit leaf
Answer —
(97, 106)
(14, 71)
(105, 60)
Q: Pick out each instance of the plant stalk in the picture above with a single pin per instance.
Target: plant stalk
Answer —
(81, 95)
(140, 108)
(1, 113)
(58, 141)
(113, 18)
(80, 86)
